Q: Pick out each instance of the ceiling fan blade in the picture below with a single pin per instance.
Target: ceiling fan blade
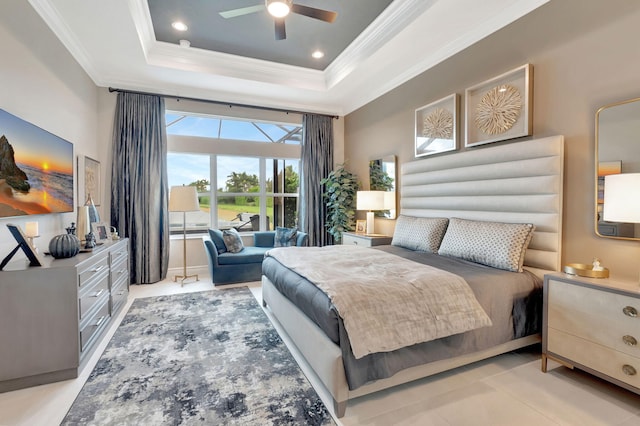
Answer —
(312, 12)
(242, 11)
(281, 33)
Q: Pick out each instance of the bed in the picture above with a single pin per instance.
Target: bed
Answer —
(516, 183)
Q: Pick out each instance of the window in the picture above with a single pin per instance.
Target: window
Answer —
(246, 172)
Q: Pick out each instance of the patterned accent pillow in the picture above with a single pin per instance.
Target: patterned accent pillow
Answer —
(419, 233)
(232, 240)
(285, 237)
(501, 245)
(218, 240)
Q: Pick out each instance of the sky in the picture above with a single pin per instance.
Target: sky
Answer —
(187, 168)
(36, 147)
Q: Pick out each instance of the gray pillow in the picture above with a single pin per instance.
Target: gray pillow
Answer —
(232, 240)
(285, 237)
(218, 241)
(501, 245)
(419, 233)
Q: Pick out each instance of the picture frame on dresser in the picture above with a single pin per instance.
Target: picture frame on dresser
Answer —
(102, 231)
(500, 108)
(32, 255)
(361, 226)
(436, 127)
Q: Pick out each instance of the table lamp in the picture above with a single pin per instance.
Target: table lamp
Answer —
(370, 200)
(184, 199)
(622, 198)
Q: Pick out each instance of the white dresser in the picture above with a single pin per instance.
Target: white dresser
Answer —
(594, 325)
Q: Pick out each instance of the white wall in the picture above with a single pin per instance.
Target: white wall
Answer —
(41, 83)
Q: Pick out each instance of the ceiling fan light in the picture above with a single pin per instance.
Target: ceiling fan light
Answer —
(279, 8)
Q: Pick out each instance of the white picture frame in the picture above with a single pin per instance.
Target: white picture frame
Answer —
(512, 93)
(102, 231)
(436, 127)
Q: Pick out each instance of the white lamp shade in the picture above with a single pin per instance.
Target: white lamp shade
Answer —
(622, 198)
(389, 200)
(183, 199)
(370, 200)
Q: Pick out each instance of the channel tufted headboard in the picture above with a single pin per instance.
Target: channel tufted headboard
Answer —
(519, 183)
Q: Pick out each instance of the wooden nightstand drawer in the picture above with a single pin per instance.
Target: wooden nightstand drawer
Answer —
(617, 365)
(595, 315)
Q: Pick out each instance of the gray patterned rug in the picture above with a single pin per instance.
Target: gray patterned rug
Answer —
(200, 358)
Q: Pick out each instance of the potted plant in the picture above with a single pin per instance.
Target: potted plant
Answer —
(340, 189)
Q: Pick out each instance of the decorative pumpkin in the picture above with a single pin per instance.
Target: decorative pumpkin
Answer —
(65, 245)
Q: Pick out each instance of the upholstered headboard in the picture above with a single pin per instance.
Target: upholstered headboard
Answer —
(518, 183)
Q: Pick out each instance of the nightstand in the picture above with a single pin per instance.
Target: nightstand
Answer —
(593, 324)
(365, 240)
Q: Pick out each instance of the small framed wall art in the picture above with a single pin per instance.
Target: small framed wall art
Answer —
(436, 127)
(500, 108)
(92, 184)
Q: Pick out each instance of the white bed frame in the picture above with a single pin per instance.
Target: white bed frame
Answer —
(518, 182)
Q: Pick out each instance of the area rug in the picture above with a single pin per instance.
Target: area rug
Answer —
(200, 358)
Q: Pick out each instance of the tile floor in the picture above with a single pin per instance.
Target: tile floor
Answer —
(505, 390)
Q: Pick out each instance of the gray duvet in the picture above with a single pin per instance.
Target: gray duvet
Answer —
(512, 300)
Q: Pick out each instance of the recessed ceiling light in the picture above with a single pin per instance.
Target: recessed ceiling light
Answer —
(317, 54)
(180, 26)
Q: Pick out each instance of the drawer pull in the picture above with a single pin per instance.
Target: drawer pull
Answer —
(99, 293)
(629, 340)
(121, 292)
(630, 311)
(98, 269)
(629, 370)
(104, 317)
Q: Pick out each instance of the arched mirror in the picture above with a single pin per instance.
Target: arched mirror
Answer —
(382, 177)
(617, 151)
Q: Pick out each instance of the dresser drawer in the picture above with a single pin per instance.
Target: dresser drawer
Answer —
(89, 272)
(120, 270)
(94, 324)
(119, 294)
(595, 315)
(612, 363)
(92, 295)
(118, 254)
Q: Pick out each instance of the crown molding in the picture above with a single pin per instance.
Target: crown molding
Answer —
(385, 27)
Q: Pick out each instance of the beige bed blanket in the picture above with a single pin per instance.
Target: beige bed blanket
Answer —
(386, 302)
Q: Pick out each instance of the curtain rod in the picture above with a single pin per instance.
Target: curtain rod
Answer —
(229, 104)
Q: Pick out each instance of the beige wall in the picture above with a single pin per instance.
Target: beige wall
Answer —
(584, 54)
(41, 83)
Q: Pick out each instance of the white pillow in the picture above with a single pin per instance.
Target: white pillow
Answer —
(419, 233)
(501, 245)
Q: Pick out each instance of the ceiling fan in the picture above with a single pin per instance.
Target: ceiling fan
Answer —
(279, 9)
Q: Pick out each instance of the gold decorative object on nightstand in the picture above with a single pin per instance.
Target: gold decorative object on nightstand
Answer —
(585, 270)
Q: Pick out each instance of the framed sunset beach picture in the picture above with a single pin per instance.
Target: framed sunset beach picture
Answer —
(36, 169)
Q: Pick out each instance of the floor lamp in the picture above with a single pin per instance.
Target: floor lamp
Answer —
(370, 200)
(184, 199)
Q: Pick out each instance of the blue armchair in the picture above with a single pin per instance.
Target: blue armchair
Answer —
(228, 268)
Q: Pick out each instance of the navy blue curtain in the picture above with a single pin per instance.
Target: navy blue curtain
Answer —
(316, 164)
(140, 193)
